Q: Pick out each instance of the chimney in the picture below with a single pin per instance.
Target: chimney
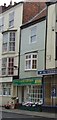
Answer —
(4, 4)
(14, 3)
(11, 3)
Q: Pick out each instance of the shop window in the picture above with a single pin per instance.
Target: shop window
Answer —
(6, 89)
(35, 93)
(31, 61)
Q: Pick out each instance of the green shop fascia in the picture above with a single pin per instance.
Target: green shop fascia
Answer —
(28, 81)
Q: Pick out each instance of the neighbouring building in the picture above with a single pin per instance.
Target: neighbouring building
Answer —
(51, 56)
(50, 72)
(32, 59)
(11, 18)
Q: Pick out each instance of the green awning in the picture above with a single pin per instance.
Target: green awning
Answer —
(28, 81)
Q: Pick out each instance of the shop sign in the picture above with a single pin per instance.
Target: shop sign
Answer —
(37, 81)
(47, 72)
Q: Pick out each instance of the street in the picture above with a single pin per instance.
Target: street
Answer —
(16, 116)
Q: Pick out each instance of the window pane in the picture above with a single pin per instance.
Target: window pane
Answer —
(33, 38)
(34, 93)
(5, 42)
(31, 61)
(12, 42)
(4, 66)
(34, 64)
(33, 35)
(11, 66)
(6, 89)
(11, 19)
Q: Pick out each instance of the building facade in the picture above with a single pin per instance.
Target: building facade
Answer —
(50, 78)
(32, 59)
(11, 18)
(9, 30)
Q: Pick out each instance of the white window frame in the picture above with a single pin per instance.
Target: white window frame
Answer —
(5, 42)
(5, 89)
(10, 68)
(12, 41)
(31, 59)
(9, 42)
(35, 93)
(33, 33)
(11, 19)
(4, 66)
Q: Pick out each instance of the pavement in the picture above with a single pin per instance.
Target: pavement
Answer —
(18, 111)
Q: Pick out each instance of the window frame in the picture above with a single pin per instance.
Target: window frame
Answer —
(35, 93)
(31, 59)
(4, 66)
(11, 20)
(6, 88)
(5, 42)
(7, 73)
(11, 66)
(8, 42)
(12, 41)
(33, 34)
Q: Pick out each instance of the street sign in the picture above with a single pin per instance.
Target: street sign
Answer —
(47, 72)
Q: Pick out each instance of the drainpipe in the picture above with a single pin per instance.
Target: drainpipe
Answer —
(17, 77)
(46, 36)
(19, 60)
(45, 53)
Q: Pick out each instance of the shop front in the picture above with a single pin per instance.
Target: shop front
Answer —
(29, 89)
(49, 88)
(50, 93)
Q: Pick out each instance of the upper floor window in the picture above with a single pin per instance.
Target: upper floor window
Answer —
(10, 66)
(8, 42)
(4, 66)
(11, 19)
(33, 35)
(5, 42)
(1, 24)
(31, 61)
(12, 42)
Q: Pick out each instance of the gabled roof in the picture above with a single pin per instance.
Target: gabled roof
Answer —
(31, 9)
(37, 18)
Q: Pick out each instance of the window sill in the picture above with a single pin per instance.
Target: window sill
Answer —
(9, 52)
(26, 70)
(11, 27)
(6, 95)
